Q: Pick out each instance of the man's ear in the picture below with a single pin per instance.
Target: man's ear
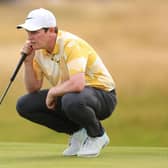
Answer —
(52, 29)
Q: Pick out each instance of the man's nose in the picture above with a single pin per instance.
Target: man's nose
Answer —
(30, 36)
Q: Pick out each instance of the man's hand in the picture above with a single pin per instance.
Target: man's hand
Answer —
(51, 99)
(28, 49)
(76, 83)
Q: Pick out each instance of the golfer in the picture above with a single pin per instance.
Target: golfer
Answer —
(82, 90)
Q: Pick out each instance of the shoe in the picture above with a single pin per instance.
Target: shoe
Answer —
(92, 146)
(76, 140)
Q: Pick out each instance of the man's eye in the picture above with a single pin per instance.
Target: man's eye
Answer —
(34, 32)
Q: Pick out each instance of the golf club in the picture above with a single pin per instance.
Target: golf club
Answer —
(23, 56)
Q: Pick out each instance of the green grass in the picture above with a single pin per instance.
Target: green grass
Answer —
(32, 155)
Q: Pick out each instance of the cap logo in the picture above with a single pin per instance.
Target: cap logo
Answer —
(29, 18)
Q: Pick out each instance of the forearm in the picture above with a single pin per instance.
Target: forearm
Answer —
(31, 83)
(75, 84)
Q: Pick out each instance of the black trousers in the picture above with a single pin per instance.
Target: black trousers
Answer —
(73, 110)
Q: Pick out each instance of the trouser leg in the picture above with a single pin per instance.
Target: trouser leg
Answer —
(88, 107)
(73, 110)
(33, 107)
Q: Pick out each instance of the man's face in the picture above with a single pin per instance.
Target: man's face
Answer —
(38, 38)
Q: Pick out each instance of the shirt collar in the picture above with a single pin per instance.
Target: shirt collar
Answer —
(54, 52)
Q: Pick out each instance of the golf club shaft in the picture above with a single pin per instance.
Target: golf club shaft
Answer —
(5, 92)
(23, 56)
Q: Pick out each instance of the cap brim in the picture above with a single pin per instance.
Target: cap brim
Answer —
(21, 26)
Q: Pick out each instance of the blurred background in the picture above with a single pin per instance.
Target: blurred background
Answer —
(131, 38)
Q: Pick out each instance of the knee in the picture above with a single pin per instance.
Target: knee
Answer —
(21, 106)
(72, 102)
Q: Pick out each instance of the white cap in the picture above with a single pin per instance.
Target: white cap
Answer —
(37, 19)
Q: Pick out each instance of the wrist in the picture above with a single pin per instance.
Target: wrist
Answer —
(52, 92)
(28, 64)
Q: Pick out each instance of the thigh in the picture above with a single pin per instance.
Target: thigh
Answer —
(101, 102)
(81, 101)
(33, 102)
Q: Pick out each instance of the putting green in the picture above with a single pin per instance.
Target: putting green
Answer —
(32, 155)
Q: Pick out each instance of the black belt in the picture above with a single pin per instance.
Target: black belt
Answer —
(113, 91)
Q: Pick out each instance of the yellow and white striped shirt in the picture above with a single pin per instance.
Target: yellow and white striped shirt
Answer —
(78, 56)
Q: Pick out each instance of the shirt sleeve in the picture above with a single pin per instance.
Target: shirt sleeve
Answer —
(37, 70)
(76, 57)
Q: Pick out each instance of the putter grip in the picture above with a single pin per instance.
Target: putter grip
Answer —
(23, 56)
